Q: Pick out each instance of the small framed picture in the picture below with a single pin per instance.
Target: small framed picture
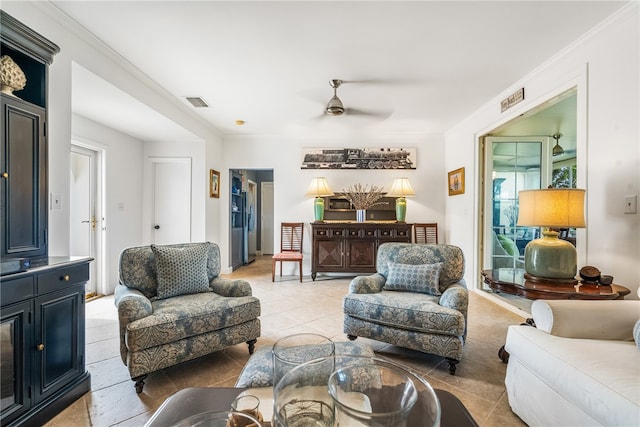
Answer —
(214, 184)
(456, 182)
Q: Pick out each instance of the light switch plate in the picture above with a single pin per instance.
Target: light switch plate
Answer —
(56, 201)
(631, 204)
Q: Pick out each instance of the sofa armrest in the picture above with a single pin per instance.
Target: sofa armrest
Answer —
(230, 287)
(132, 305)
(456, 296)
(367, 284)
(604, 320)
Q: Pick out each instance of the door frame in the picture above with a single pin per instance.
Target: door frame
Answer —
(100, 263)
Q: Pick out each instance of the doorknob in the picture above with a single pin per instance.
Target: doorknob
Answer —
(157, 227)
(93, 222)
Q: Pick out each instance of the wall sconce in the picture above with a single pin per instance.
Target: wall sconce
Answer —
(319, 188)
(550, 257)
(401, 188)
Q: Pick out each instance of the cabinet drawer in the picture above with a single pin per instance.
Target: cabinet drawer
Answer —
(404, 232)
(62, 277)
(328, 233)
(14, 290)
(386, 232)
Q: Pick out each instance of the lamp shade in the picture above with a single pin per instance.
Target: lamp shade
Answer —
(401, 187)
(552, 207)
(319, 187)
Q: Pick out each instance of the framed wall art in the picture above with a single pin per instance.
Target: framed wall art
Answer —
(358, 158)
(456, 182)
(214, 184)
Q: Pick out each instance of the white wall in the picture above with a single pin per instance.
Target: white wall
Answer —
(605, 65)
(123, 188)
(78, 46)
(284, 156)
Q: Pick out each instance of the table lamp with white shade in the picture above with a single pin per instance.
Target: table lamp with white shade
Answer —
(319, 188)
(401, 188)
(550, 258)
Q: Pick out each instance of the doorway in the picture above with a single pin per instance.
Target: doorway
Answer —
(86, 217)
(266, 213)
(513, 160)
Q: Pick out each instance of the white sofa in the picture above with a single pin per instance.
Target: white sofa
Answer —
(579, 366)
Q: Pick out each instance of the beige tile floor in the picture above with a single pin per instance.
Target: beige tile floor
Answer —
(288, 306)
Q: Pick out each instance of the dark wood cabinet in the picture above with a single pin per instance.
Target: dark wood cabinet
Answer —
(43, 340)
(351, 247)
(42, 349)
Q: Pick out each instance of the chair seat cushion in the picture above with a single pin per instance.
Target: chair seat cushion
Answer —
(288, 256)
(185, 316)
(258, 372)
(405, 310)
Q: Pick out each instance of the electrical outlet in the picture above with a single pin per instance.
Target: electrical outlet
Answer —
(631, 204)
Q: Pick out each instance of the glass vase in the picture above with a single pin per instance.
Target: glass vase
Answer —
(361, 215)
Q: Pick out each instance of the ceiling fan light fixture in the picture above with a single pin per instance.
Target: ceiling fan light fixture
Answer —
(335, 107)
(557, 149)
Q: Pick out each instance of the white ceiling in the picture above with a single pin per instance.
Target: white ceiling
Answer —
(421, 66)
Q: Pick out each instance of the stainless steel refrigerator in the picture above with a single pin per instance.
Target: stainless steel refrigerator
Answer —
(249, 227)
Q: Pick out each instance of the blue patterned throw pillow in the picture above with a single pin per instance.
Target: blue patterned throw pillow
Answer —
(423, 278)
(636, 333)
(181, 271)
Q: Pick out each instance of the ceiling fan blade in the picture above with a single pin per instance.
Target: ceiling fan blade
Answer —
(380, 114)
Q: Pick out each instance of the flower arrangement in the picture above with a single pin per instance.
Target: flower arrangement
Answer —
(363, 197)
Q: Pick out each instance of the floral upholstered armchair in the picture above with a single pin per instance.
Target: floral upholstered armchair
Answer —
(417, 299)
(173, 307)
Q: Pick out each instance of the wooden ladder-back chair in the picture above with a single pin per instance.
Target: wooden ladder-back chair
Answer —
(425, 233)
(291, 234)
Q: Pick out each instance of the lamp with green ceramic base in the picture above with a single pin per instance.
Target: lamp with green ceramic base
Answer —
(550, 258)
(401, 188)
(319, 188)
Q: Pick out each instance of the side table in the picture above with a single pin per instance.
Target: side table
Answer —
(512, 281)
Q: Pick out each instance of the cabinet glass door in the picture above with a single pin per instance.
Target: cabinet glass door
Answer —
(14, 340)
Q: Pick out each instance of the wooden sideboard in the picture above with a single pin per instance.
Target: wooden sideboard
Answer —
(351, 247)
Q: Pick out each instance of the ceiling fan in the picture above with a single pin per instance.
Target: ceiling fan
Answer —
(336, 108)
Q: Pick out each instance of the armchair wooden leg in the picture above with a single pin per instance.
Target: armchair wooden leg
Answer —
(139, 382)
(252, 346)
(452, 365)
(300, 271)
(273, 270)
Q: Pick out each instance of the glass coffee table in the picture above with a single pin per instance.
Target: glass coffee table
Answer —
(191, 401)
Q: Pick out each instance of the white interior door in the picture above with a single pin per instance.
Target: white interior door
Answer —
(266, 215)
(171, 216)
(84, 219)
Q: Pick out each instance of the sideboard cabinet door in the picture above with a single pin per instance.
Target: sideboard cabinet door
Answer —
(59, 332)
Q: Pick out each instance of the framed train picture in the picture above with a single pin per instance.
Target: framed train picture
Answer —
(358, 158)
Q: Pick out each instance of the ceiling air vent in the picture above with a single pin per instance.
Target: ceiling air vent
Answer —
(197, 102)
